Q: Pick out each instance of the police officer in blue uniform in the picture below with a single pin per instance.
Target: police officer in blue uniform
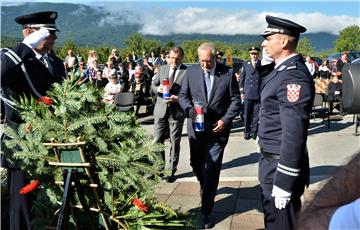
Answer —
(287, 95)
(27, 69)
(250, 93)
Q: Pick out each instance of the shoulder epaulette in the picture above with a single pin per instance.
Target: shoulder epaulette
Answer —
(281, 68)
(291, 66)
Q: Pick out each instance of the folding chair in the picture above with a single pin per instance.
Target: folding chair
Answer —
(320, 109)
(124, 101)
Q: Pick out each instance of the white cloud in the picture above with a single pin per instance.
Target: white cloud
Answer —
(161, 21)
(15, 3)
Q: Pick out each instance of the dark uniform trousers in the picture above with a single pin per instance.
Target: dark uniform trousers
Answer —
(251, 116)
(274, 218)
(206, 153)
(18, 214)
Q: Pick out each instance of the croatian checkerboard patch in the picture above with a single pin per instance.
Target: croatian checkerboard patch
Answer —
(293, 92)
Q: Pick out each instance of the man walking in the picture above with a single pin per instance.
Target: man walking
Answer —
(249, 89)
(167, 112)
(214, 86)
(287, 95)
(28, 69)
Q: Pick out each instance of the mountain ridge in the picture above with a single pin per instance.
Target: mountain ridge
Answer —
(80, 23)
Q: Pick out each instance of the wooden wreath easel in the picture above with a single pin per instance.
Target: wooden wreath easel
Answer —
(71, 158)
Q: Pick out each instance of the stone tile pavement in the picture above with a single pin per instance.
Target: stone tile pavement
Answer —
(237, 203)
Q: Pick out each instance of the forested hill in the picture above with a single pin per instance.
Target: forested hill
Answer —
(80, 23)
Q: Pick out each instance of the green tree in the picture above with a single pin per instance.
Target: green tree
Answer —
(349, 39)
(168, 45)
(9, 42)
(138, 43)
(103, 53)
(62, 51)
(190, 50)
(304, 47)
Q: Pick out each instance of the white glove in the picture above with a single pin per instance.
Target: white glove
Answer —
(265, 58)
(282, 197)
(34, 39)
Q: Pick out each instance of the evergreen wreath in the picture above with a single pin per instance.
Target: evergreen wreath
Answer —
(123, 156)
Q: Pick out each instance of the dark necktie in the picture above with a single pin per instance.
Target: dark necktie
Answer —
(172, 77)
(46, 63)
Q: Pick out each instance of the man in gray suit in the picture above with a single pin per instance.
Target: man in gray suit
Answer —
(168, 113)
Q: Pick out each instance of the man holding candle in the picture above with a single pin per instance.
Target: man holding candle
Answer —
(167, 112)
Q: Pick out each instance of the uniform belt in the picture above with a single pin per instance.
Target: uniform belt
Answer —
(270, 155)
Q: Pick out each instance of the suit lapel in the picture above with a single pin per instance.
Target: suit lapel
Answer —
(180, 75)
(217, 75)
(202, 85)
(52, 66)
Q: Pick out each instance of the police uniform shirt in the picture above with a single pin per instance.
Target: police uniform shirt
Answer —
(287, 94)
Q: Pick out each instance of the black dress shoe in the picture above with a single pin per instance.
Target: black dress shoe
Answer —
(206, 222)
(253, 136)
(247, 136)
(170, 179)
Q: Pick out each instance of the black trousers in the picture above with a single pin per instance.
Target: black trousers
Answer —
(206, 153)
(274, 218)
(331, 100)
(19, 208)
(251, 116)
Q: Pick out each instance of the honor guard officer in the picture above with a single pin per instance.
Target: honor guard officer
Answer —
(250, 93)
(287, 95)
(27, 69)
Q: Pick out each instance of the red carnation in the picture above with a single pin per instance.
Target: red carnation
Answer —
(46, 100)
(140, 205)
(30, 187)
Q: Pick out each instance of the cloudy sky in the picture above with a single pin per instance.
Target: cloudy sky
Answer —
(224, 17)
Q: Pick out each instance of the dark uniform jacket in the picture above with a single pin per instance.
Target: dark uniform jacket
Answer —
(250, 81)
(287, 95)
(14, 83)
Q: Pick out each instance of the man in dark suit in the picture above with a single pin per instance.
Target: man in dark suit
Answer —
(167, 112)
(249, 89)
(214, 86)
(28, 69)
(287, 95)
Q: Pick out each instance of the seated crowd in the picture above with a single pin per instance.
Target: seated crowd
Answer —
(118, 76)
(131, 75)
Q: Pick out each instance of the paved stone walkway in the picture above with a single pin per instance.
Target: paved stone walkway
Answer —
(237, 203)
